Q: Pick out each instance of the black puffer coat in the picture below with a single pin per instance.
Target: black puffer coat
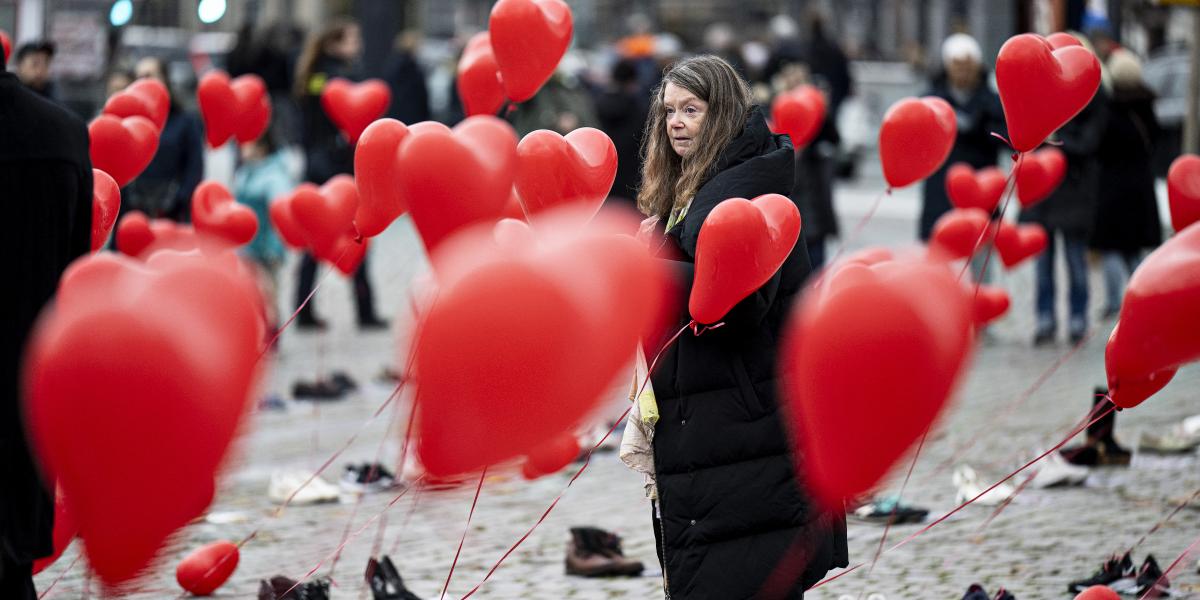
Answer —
(1071, 208)
(1127, 213)
(731, 508)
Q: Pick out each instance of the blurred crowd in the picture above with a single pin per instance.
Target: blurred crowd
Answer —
(1106, 205)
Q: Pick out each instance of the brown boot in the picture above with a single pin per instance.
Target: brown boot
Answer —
(610, 544)
(586, 555)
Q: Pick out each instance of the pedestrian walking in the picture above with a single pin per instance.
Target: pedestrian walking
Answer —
(46, 176)
(729, 511)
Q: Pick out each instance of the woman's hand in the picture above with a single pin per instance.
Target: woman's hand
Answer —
(647, 231)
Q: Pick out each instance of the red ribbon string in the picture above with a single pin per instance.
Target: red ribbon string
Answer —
(896, 508)
(1164, 520)
(46, 591)
(296, 313)
(466, 529)
(860, 225)
(993, 228)
(1152, 591)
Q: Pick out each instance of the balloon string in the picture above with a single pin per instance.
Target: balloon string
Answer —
(586, 461)
(1152, 591)
(296, 313)
(993, 228)
(1164, 520)
(466, 529)
(896, 507)
(64, 572)
(943, 518)
(854, 233)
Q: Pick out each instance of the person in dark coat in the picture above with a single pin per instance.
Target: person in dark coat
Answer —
(621, 108)
(165, 188)
(962, 83)
(730, 513)
(33, 61)
(1127, 220)
(1070, 213)
(332, 52)
(46, 176)
(406, 78)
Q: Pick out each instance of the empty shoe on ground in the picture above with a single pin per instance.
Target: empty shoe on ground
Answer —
(385, 581)
(1174, 441)
(593, 552)
(1115, 572)
(969, 485)
(367, 478)
(1055, 471)
(888, 508)
(283, 588)
(286, 483)
(976, 592)
(1149, 583)
(321, 390)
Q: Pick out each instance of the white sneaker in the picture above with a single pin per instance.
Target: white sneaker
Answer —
(285, 483)
(1054, 470)
(969, 486)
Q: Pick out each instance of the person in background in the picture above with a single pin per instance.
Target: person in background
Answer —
(262, 177)
(962, 83)
(46, 176)
(33, 67)
(1127, 220)
(267, 53)
(1070, 214)
(410, 94)
(118, 79)
(165, 188)
(621, 108)
(331, 52)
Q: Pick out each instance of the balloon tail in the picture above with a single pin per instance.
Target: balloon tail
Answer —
(907, 476)
(64, 572)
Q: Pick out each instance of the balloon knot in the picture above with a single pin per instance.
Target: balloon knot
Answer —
(698, 329)
(1003, 139)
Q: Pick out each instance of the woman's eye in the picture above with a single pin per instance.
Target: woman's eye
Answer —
(691, 110)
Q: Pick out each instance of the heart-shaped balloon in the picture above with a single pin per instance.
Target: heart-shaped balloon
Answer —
(207, 568)
(123, 148)
(348, 253)
(553, 170)
(871, 356)
(106, 203)
(239, 108)
(353, 106)
(1127, 391)
(969, 188)
(552, 457)
(214, 211)
(513, 319)
(799, 113)
(1039, 173)
(140, 237)
(65, 530)
(145, 97)
(1017, 243)
(990, 304)
(454, 178)
(1159, 324)
(1042, 87)
(136, 383)
(280, 211)
(133, 234)
(478, 81)
(915, 139)
(1183, 191)
(958, 234)
(528, 39)
(742, 243)
(327, 215)
(377, 175)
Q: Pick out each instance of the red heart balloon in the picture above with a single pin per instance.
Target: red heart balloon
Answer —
(552, 457)
(990, 304)
(915, 139)
(65, 530)
(478, 81)
(238, 108)
(133, 234)
(1042, 87)
(513, 318)
(207, 568)
(139, 237)
(1016, 244)
(1039, 173)
(136, 383)
(969, 188)
(377, 175)
(348, 253)
(353, 106)
(106, 203)
(958, 234)
(5, 44)
(1125, 390)
(122, 147)
(1159, 324)
(145, 97)
(214, 211)
(871, 356)
(326, 217)
(280, 211)
(1183, 191)
(454, 178)
(742, 243)
(799, 113)
(553, 170)
(528, 38)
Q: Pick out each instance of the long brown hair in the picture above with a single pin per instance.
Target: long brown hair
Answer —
(668, 180)
(314, 49)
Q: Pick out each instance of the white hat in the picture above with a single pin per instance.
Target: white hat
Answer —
(960, 46)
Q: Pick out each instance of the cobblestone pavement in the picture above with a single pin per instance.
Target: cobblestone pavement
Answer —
(1044, 539)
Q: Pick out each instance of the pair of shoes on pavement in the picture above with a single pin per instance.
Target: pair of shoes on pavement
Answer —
(335, 387)
(286, 483)
(969, 485)
(976, 592)
(367, 478)
(308, 321)
(886, 509)
(385, 581)
(1118, 574)
(593, 552)
(277, 588)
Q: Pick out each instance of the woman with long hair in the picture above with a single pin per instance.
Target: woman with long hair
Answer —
(332, 52)
(730, 516)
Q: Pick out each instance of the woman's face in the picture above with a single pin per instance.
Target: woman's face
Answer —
(350, 46)
(149, 68)
(685, 115)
